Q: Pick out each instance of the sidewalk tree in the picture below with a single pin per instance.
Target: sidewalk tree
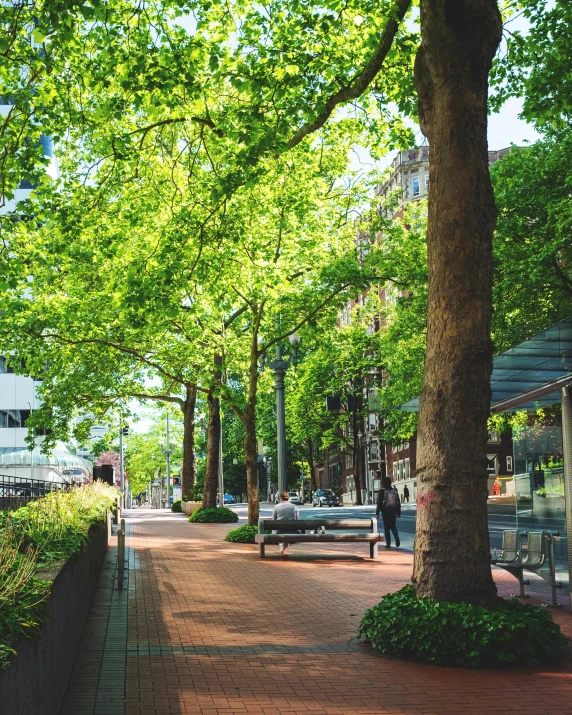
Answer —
(282, 75)
(532, 250)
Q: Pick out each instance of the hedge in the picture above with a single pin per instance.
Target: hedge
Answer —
(50, 529)
(462, 634)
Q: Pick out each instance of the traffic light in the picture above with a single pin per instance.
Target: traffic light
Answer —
(176, 481)
(125, 431)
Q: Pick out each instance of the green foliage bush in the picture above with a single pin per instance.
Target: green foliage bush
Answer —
(461, 634)
(209, 514)
(47, 530)
(176, 506)
(242, 535)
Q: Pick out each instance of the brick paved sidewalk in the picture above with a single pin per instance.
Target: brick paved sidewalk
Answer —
(212, 629)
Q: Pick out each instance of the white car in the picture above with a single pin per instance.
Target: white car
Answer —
(295, 498)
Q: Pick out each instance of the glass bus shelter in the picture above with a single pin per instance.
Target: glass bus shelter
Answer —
(536, 374)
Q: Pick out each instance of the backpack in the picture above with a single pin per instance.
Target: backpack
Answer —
(391, 500)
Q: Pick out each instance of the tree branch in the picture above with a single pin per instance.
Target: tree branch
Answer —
(362, 80)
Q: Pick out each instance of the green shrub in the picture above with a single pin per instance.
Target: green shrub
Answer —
(176, 506)
(50, 529)
(242, 535)
(209, 514)
(461, 634)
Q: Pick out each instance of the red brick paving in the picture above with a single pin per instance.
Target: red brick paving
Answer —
(213, 629)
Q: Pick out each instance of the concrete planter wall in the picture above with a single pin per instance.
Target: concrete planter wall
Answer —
(35, 682)
(189, 507)
(550, 506)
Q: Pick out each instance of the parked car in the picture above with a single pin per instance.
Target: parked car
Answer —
(295, 498)
(228, 499)
(325, 497)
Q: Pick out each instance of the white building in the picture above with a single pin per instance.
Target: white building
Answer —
(18, 398)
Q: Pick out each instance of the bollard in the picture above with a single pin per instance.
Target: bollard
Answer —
(121, 555)
(117, 510)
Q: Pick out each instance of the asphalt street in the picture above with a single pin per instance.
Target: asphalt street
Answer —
(406, 524)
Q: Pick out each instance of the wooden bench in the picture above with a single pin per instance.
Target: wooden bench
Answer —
(264, 525)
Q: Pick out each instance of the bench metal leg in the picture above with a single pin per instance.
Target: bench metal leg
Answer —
(522, 594)
(373, 549)
(261, 550)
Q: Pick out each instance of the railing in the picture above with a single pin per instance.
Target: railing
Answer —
(16, 492)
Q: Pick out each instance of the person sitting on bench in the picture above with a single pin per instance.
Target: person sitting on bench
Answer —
(284, 510)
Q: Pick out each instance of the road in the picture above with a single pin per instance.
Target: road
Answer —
(406, 524)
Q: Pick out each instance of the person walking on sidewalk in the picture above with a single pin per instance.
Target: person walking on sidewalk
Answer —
(390, 507)
(405, 494)
(284, 510)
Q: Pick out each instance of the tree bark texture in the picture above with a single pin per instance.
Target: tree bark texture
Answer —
(213, 447)
(311, 465)
(189, 468)
(452, 560)
(250, 446)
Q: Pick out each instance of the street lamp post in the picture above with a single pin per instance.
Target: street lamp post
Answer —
(167, 450)
(365, 444)
(280, 365)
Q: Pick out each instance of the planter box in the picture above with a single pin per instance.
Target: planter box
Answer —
(36, 680)
(189, 507)
(550, 506)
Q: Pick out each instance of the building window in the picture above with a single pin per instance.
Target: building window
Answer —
(407, 469)
(3, 365)
(426, 183)
(395, 472)
(415, 186)
(373, 451)
(400, 469)
(13, 418)
(492, 465)
(372, 419)
(509, 464)
(493, 437)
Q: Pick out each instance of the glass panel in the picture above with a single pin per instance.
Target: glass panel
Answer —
(539, 492)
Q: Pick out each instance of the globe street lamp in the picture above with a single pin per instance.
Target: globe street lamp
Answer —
(280, 365)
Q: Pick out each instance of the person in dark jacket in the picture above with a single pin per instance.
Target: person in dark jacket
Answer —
(405, 494)
(389, 505)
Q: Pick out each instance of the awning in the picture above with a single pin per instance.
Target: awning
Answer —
(530, 375)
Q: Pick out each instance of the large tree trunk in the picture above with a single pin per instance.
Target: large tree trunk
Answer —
(250, 446)
(311, 465)
(250, 452)
(189, 468)
(452, 561)
(357, 459)
(213, 451)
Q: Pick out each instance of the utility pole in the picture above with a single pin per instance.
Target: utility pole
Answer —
(121, 474)
(168, 455)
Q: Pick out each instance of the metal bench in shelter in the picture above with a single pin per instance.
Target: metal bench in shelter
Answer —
(538, 557)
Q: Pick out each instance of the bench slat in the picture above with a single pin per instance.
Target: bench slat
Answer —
(296, 524)
(297, 538)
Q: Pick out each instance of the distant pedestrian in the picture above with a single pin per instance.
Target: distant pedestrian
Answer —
(284, 510)
(405, 494)
(389, 505)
